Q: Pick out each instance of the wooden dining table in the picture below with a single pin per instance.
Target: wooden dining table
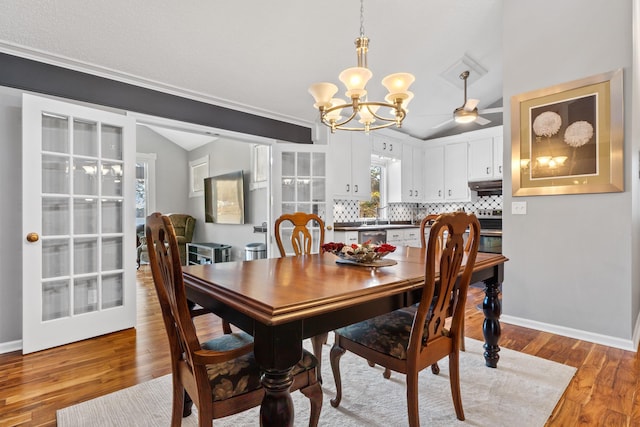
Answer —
(281, 301)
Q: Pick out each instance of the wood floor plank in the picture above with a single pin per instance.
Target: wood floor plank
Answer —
(605, 390)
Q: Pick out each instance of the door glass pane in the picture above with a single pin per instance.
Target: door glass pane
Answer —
(141, 192)
(85, 138)
(288, 190)
(55, 300)
(111, 179)
(304, 164)
(288, 164)
(112, 290)
(111, 142)
(85, 177)
(112, 216)
(112, 253)
(85, 255)
(85, 295)
(55, 133)
(288, 208)
(318, 165)
(319, 209)
(318, 190)
(303, 207)
(55, 258)
(55, 174)
(304, 189)
(85, 216)
(55, 216)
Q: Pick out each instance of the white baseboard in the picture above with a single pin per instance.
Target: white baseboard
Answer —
(8, 347)
(630, 345)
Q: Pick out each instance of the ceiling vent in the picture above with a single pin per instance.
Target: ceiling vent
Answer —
(452, 74)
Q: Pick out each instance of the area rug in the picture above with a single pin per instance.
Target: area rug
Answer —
(522, 391)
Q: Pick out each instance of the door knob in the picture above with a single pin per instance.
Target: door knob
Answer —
(33, 237)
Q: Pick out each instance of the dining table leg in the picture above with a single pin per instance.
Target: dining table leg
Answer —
(492, 309)
(277, 405)
(277, 350)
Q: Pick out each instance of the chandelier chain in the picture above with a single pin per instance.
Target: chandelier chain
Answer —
(361, 18)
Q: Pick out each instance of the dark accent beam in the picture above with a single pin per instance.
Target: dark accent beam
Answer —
(34, 76)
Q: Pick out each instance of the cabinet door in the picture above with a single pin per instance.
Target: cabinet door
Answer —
(387, 147)
(340, 154)
(434, 174)
(412, 237)
(497, 156)
(455, 172)
(395, 237)
(481, 163)
(418, 174)
(360, 166)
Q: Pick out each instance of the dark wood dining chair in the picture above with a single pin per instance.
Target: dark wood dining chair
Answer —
(303, 243)
(221, 375)
(408, 343)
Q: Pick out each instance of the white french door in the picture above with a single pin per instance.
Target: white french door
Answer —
(300, 185)
(78, 222)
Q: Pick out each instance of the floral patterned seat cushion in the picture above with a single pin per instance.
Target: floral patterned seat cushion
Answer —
(241, 375)
(387, 334)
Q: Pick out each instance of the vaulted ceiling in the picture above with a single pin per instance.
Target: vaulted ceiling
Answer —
(261, 56)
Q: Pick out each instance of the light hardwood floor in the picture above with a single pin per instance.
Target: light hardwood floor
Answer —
(604, 391)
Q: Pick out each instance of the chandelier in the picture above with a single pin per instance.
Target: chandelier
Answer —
(355, 79)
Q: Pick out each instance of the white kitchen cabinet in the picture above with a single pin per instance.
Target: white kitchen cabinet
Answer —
(346, 237)
(412, 237)
(497, 156)
(406, 178)
(404, 237)
(387, 147)
(485, 155)
(350, 154)
(395, 236)
(445, 169)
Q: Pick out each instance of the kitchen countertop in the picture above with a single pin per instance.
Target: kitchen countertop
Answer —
(360, 227)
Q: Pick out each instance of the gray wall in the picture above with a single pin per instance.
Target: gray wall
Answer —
(228, 155)
(172, 170)
(573, 259)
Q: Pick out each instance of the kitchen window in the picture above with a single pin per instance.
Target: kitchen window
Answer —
(378, 172)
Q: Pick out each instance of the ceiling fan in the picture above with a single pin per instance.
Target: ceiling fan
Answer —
(468, 112)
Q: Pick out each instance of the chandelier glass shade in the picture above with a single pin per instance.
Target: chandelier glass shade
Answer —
(339, 114)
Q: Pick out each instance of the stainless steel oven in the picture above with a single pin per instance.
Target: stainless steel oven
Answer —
(490, 241)
(375, 236)
(490, 232)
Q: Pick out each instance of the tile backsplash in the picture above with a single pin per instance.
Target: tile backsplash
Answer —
(349, 210)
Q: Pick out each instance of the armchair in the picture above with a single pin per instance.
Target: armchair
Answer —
(183, 225)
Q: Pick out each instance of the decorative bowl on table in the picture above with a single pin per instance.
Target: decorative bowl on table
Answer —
(365, 253)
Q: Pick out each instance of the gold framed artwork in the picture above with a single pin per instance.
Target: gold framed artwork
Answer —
(568, 139)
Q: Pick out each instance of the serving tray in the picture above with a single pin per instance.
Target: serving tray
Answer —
(376, 263)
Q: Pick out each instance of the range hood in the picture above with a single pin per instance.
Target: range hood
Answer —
(487, 188)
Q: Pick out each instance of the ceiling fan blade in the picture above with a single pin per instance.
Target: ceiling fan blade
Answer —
(471, 104)
(491, 110)
(442, 124)
(482, 121)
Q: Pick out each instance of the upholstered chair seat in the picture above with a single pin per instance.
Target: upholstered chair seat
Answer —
(242, 374)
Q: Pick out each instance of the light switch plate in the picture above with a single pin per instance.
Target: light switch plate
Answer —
(518, 208)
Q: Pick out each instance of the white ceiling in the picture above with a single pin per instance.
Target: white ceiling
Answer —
(261, 56)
